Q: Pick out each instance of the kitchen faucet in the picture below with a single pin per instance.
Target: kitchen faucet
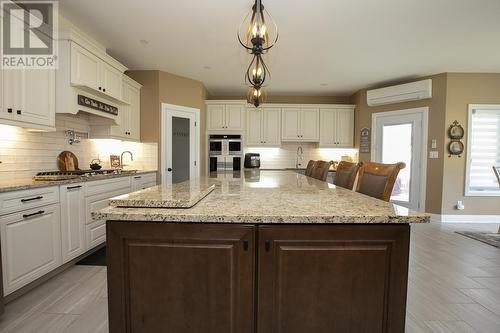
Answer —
(299, 157)
(121, 158)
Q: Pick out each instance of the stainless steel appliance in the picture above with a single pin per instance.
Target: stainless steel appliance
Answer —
(224, 152)
(252, 160)
(65, 175)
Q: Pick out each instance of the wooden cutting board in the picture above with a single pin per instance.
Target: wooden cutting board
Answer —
(67, 161)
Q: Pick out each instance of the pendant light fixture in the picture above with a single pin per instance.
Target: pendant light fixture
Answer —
(257, 34)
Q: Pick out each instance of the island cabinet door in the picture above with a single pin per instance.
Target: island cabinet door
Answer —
(182, 278)
(332, 278)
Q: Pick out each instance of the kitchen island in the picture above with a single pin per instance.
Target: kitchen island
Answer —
(269, 251)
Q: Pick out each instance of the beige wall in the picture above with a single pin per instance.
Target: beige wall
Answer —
(464, 89)
(150, 114)
(161, 87)
(294, 99)
(452, 92)
(437, 110)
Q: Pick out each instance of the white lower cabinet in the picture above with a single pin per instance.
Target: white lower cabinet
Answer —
(72, 220)
(43, 228)
(95, 230)
(31, 245)
(141, 182)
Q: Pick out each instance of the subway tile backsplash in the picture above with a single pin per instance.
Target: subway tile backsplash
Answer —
(24, 153)
(286, 155)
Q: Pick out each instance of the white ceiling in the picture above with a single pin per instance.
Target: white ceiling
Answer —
(347, 44)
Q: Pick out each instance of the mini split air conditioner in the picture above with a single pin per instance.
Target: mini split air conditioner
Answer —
(401, 93)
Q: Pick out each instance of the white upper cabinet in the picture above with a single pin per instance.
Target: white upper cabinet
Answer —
(345, 128)
(225, 116)
(263, 126)
(300, 124)
(135, 113)
(85, 67)
(28, 98)
(112, 80)
(290, 124)
(39, 97)
(309, 124)
(215, 115)
(337, 127)
(254, 127)
(271, 126)
(129, 116)
(90, 71)
(331, 125)
(328, 128)
(234, 117)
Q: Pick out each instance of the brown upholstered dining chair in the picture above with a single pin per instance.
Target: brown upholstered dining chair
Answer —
(346, 174)
(377, 179)
(320, 170)
(309, 168)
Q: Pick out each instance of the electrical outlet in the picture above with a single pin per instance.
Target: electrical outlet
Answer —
(433, 154)
(460, 205)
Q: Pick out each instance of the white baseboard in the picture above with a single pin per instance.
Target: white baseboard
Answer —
(465, 218)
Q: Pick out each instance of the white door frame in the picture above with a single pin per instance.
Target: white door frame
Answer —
(424, 112)
(167, 109)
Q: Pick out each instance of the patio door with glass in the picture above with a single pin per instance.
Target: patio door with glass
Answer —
(398, 136)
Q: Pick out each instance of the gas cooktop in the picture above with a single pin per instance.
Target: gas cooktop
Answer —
(65, 175)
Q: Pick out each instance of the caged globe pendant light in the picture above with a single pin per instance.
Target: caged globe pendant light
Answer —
(260, 35)
(258, 32)
(257, 72)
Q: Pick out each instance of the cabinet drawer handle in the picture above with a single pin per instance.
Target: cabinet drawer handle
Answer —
(267, 245)
(18, 111)
(73, 187)
(137, 177)
(245, 245)
(40, 212)
(31, 199)
(9, 110)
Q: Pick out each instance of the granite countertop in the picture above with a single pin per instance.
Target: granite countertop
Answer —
(258, 196)
(7, 185)
(181, 195)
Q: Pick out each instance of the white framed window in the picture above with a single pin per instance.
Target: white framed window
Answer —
(483, 151)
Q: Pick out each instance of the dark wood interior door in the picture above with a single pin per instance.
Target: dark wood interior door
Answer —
(180, 278)
(335, 278)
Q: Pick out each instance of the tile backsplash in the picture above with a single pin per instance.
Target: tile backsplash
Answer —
(286, 155)
(24, 153)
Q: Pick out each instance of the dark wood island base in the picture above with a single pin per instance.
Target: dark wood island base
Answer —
(268, 278)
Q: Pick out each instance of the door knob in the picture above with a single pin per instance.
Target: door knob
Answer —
(169, 169)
